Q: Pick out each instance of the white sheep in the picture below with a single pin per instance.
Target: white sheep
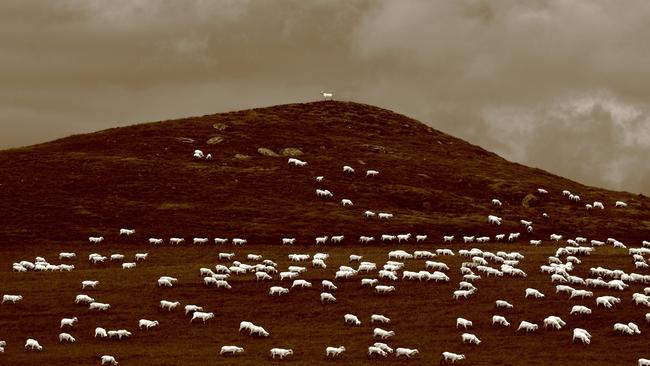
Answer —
(12, 298)
(470, 338)
(533, 292)
(232, 350)
(620, 204)
(239, 241)
(453, 357)
(95, 239)
(496, 202)
(66, 337)
(372, 173)
(527, 326)
(220, 240)
(379, 319)
(351, 318)
(281, 352)
(99, 306)
(326, 297)
(296, 162)
(288, 241)
(164, 282)
(503, 304)
(409, 353)
(128, 265)
(67, 255)
(100, 332)
(582, 335)
(381, 289)
(383, 334)
(644, 362)
(33, 344)
(169, 305)
(201, 315)
(301, 283)
(384, 215)
(419, 238)
(278, 290)
(69, 322)
(498, 319)
(599, 205)
(127, 232)
(328, 285)
(321, 239)
(364, 240)
(337, 238)
(369, 214)
(334, 351)
(199, 240)
(155, 241)
(346, 202)
(198, 154)
(147, 324)
(463, 322)
(447, 238)
(372, 350)
(580, 309)
(109, 359)
(176, 241)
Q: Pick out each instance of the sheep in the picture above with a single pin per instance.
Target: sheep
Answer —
(404, 237)
(337, 238)
(450, 356)
(33, 344)
(384, 215)
(95, 239)
(128, 265)
(386, 237)
(346, 202)
(598, 205)
(498, 319)
(12, 298)
(97, 258)
(220, 240)
(527, 326)
(334, 351)
(379, 318)
(68, 321)
(233, 350)
(372, 173)
(278, 290)
(328, 285)
(634, 327)
(383, 346)
(169, 305)
(238, 241)
(224, 284)
(192, 308)
(644, 362)
(208, 157)
(351, 318)
(607, 301)
(321, 239)
(564, 288)
(301, 283)
(225, 256)
(556, 237)
(513, 236)
(535, 242)
(122, 333)
(372, 350)
(503, 304)
(297, 269)
(259, 331)
(364, 240)
(288, 241)
(262, 276)
(369, 214)
(81, 298)
(494, 220)
(581, 335)
(199, 240)
(470, 338)
(447, 238)
(198, 154)
(438, 266)
(296, 162)
(419, 238)
(66, 337)
(620, 204)
(201, 315)
(127, 232)
(98, 306)
(462, 293)
(623, 328)
(381, 333)
(117, 257)
(496, 202)
(109, 359)
(66, 255)
(463, 322)
(500, 237)
(326, 297)
(281, 352)
(542, 191)
(580, 309)
(176, 241)
(101, 332)
(581, 293)
(381, 289)
(147, 324)
(289, 275)
(554, 322)
(409, 353)
(533, 292)
(155, 241)
(164, 282)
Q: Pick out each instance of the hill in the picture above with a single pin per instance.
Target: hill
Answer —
(144, 176)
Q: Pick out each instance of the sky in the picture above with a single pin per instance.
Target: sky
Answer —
(561, 85)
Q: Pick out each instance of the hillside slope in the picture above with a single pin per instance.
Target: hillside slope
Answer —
(143, 176)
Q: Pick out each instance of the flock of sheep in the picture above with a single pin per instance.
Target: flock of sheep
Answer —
(383, 278)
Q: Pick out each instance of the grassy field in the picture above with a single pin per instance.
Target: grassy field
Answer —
(423, 314)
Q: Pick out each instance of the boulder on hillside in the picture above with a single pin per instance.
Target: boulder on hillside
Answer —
(530, 200)
(291, 152)
(214, 140)
(267, 152)
(220, 126)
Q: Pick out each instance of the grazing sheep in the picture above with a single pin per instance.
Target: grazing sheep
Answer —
(409, 353)
(383, 334)
(620, 204)
(147, 324)
(450, 356)
(98, 306)
(372, 350)
(33, 344)
(470, 338)
(533, 292)
(278, 290)
(281, 352)
(66, 337)
(351, 318)
(463, 322)
(527, 326)
(109, 359)
(498, 319)
(329, 285)
(334, 351)
(379, 318)
(201, 315)
(232, 350)
(503, 304)
(582, 335)
(326, 297)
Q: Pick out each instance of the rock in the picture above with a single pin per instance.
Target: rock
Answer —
(214, 140)
(242, 157)
(267, 152)
(530, 200)
(186, 140)
(220, 126)
(291, 151)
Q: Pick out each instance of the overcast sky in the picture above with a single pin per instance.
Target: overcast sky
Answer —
(560, 85)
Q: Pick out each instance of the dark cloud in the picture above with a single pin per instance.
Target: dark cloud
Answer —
(560, 85)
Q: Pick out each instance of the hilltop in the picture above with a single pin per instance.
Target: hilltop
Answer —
(144, 176)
